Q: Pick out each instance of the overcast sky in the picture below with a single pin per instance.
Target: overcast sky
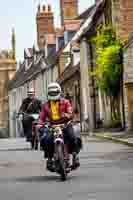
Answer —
(21, 14)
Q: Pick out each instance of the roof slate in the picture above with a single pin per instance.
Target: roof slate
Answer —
(68, 73)
(84, 15)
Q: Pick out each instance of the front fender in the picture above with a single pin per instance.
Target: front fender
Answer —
(59, 140)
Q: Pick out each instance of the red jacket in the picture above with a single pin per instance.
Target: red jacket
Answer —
(64, 107)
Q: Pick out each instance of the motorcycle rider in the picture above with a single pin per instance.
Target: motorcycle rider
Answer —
(30, 105)
(58, 110)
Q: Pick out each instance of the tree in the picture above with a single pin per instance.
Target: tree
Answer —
(108, 70)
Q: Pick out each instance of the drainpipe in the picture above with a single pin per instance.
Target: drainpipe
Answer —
(93, 85)
(122, 92)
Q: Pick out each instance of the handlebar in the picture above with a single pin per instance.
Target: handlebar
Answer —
(59, 125)
(29, 115)
(63, 125)
(23, 113)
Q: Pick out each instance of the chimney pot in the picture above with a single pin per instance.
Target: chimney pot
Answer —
(39, 8)
(49, 8)
(44, 8)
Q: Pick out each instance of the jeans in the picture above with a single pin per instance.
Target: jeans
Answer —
(73, 142)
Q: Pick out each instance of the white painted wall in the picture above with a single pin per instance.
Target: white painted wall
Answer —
(39, 86)
(76, 58)
(12, 111)
(55, 73)
(45, 84)
(86, 103)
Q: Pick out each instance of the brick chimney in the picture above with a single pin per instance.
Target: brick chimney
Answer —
(126, 18)
(45, 23)
(68, 9)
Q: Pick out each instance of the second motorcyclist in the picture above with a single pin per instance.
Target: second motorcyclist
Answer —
(30, 105)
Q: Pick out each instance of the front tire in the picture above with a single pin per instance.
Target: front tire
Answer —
(36, 145)
(61, 161)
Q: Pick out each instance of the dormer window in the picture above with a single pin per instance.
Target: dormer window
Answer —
(76, 55)
(59, 42)
(28, 64)
(68, 62)
(68, 35)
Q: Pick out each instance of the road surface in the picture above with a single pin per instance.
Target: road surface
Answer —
(106, 173)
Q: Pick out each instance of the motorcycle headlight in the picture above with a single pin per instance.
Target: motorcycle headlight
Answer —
(57, 131)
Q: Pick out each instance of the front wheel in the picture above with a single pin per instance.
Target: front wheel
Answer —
(36, 145)
(34, 142)
(61, 161)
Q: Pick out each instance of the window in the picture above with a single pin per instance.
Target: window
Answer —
(68, 35)
(60, 42)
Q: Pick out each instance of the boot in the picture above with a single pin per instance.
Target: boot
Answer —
(50, 165)
(75, 161)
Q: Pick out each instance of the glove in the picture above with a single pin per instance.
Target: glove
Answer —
(39, 126)
(67, 115)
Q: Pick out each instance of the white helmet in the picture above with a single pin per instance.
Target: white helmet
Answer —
(54, 91)
(31, 91)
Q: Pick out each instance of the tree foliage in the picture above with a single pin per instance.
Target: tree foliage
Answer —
(108, 62)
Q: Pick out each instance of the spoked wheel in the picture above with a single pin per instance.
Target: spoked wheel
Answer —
(61, 161)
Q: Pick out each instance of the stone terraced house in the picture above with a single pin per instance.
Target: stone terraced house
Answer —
(67, 55)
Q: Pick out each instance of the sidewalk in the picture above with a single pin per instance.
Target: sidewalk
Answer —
(119, 137)
(19, 144)
(14, 144)
(116, 136)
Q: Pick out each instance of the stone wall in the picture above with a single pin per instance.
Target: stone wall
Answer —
(128, 84)
(126, 18)
(7, 71)
(71, 89)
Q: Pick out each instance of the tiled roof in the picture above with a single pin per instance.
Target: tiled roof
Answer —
(52, 59)
(28, 52)
(68, 73)
(22, 75)
(84, 15)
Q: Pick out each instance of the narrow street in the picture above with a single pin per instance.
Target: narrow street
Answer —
(106, 172)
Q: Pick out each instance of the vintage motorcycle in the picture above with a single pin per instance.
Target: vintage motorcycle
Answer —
(34, 136)
(59, 162)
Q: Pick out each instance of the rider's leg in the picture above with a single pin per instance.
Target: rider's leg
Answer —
(47, 145)
(50, 152)
(71, 140)
(43, 134)
(27, 126)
